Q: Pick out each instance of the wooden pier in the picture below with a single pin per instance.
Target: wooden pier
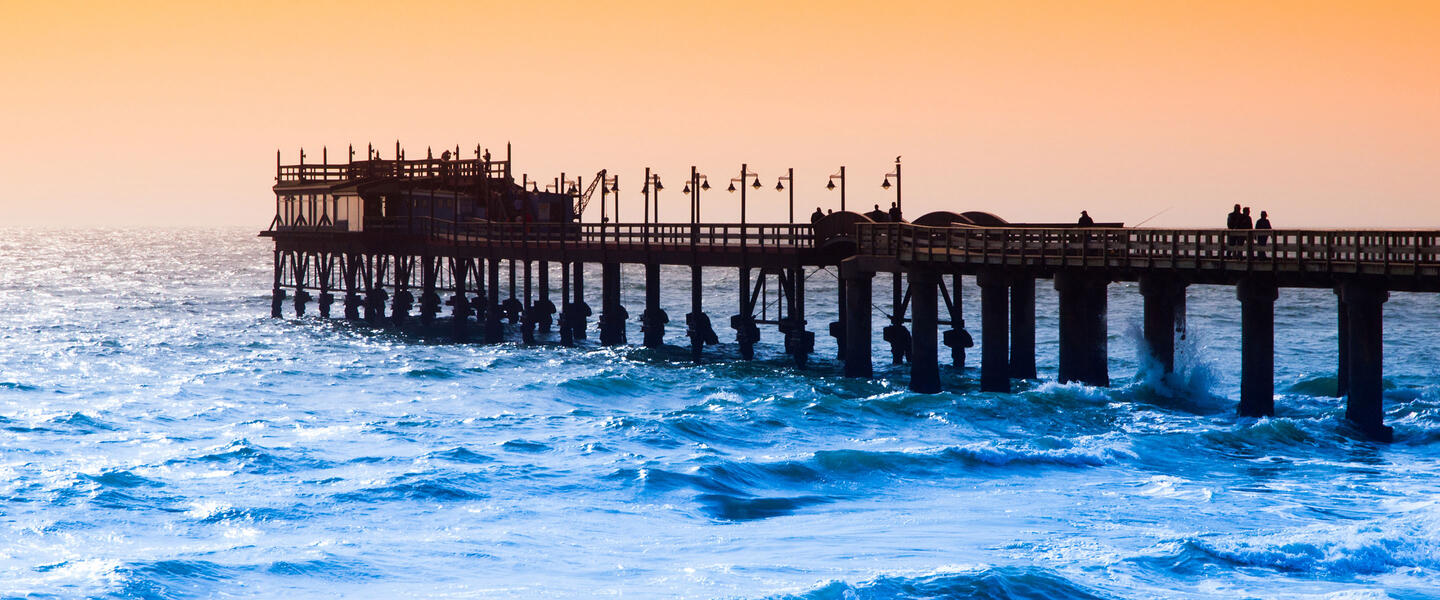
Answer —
(385, 237)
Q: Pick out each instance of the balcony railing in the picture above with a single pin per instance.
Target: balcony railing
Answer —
(400, 169)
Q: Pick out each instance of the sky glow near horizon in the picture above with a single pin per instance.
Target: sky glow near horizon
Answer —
(1326, 114)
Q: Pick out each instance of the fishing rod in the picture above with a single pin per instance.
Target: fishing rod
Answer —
(1152, 216)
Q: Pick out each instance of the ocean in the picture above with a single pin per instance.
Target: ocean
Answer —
(162, 437)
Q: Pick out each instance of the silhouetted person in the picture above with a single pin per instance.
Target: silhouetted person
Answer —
(1262, 223)
(1232, 221)
(816, 216)
(829, 211)
(1085, 220)
(894, 212)
(878, 215)
(1246, 223)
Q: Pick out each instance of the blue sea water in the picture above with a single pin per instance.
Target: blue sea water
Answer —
(162, 437)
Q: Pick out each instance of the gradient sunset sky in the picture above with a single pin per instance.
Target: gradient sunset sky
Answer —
(1324, 113)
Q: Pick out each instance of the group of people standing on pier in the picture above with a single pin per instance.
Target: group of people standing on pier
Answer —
(1240, 219)
(876, 215)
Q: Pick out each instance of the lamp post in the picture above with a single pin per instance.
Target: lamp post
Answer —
(780, 187)
(896, 332)
(654, 318)
(651, 181)
(698, 181)
(568, 187)
(744, 172)
(746, 333)
(899, 200)
(558, 184)
(837, 329)
(609, 184)
(830, 185)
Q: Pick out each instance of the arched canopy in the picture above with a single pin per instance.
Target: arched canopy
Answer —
(838, 224)
(942, 218)
(836, 232)
(984, 219)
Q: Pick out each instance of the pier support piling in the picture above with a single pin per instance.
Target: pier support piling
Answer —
(301, 297)
(1342, 355)
(351, 271)
(858, 286)
(459, 302)
(375, 295)
(403, 300)
(527, 317)
(579, 322)
(1257, 346)
(277, 303)
(837, 328)
(544, 308)
(1364, 303)
(567, 308)
(799, 343)
(743, 322)
(957, 338)
(429, 298)
(494, 334)
(612, 312)
(653, 320)
(277, 293)
(924, 343)
(326, 265)
(481, 301)
(895, 333)
(994, 331)
(697, 323)
(513, 307)
(301, 265)
(1164, 316)
(1084, 344)
(1022, 327)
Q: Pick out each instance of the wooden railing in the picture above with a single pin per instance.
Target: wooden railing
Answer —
(1375, 252)
(758, 237)
(403, 169)
(1280, 250)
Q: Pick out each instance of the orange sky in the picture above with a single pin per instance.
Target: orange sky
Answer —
(1324, 113)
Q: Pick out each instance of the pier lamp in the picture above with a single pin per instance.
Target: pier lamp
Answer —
(572, 190)
(652, 181)
(698, 182)
(558, 185)
(830, 185)
(609, 184)
(780, 187)
(899, 200)
(744, 172)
